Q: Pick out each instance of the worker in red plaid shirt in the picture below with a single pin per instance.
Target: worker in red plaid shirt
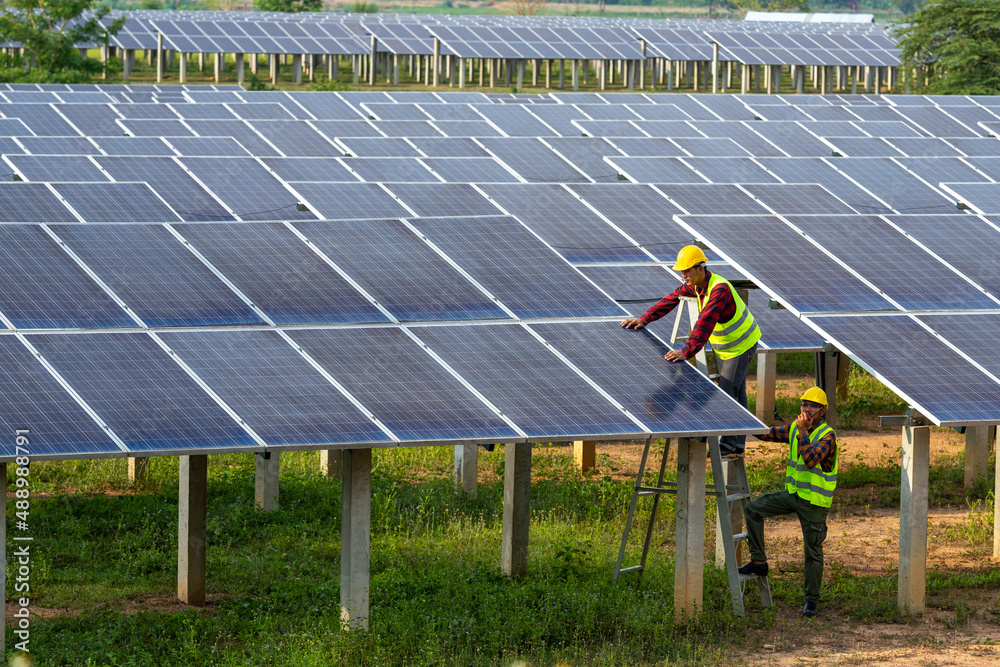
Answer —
(723, 320)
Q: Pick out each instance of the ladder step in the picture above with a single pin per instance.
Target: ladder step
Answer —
(747, 577)
(629, 569)
(739, 537)
(737, 496)
(654, 490)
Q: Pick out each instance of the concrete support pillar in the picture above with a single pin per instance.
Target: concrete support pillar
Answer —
(534, 72)
(913, 519)
(467, 468)
(128, 64)
(508, 78)
(996, 494)
(735, 518)
(219, 60)
(254, 63)
(548, 74)
(355, 68)
(437, 61)
(576, 75)
(562, 73)
(520, 73)
(332, 69)
(355, 537)
(331, 462)
(159, 57)
(690, 557)
(670, 74)
(297, 68)
(745, 80)
(3, 560)
(192, 517)
(767, 373)
(827, 374)
(585, 455)
(715, 67)
(977, 453)
(239, 68)
(266, 481)
(516, 517)
(276, 69)
(138, 469)
(182, 68)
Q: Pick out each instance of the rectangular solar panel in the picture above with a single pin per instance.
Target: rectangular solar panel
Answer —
(515, 121)
(273, 388)
(560, 117)
(350, 200)
(31, 202)
(705, 198)
(669, 398)
(153, 146)
(155, 127)
(441, 199)
(516, 267)
(33, 401)
(379, 147)
(346, 128)
(398, 269)
(465, 128)
(937, 122)
(587, 155)
(912, 277)
(749, 140)
(402, 385)
(791, 138)
(262, 111)
(567, 224)
(655, 170)
(669, 112)
(972, 334)
(634, 147)
(800, 198)
(980, 197)
(295, 138)
(93, 120)
(936, 170)
(711, 147)
(58, 146)
(730, 170)
(280, 273)
(815, 170)
(863, 147)
(377, 111)
(56, 168)
(310, 169)
(390, 169)
(407, 128)
(977, 146)
(779, 258)
(250, 190)
(159, 279)
(239, 131)
(903, 355)
(170, 181)
(149, 401)
(530, 384)
(896, 186)
(472, 170)
(926, 147)
(40, 119)
(115, 202)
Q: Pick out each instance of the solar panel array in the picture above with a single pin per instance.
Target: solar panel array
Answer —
(183, 286)
(543, 37)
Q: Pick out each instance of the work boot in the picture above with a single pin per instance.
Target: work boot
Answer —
(810, 609)
(756, 569)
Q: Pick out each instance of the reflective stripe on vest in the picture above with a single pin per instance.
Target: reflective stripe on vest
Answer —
(811, 484)
(733, 338)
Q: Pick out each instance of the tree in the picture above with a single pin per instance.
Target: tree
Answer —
(953, 47)
(527, 7)
(290, 6)
(771, 5)
(49, 32)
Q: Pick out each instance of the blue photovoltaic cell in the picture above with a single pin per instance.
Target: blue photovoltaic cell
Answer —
(863, 147)
(379, 147)
(560, 117)
(646, 147)
(156, 127)
(656, 170)
(516, 267)
(149, 401)
(712, 198)
(742, 135)
(614, 128)
(204, 111)
(978, 146)
(974, 335)
(927, 146)
(441, 199)
(310, 169)
(792, 138)
(937, 170)
(239, 131)
(668, 128)
(43, 288)
(58, 146)
(402, 385)
(526, 381)
(801, 198)
(779, 329)
(669, 398)
(465, 128)
(566, 224)
(391, 111)
(730, 170)
(281, 274)
(454, 147)
(250, 190)
(273, 388)
(57, 168)
(471, 170)
(439, 111)
(31, 202)
(159, 279)
(897, 187)
(407, 128)
(815, 170)
(588, 156)
(136, 145)
(390, 170)
(634, 287)
(262, 111)
(115, 202)
(977, 260)
(93, 120)
(326, 106)
(171, 182)
(711, 147)
(33, 401)
(923, 370)
(515, 121)
(937, 122)
(10, 147)
(346, 128)
(341, 201)
(534, 161)
(295, 138)
(669, 112)
(779, 258)
(402, 272)
(41, 119)
(208, 146)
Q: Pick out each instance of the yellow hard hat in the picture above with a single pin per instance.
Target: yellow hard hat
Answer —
(815, 395)
(690, 255)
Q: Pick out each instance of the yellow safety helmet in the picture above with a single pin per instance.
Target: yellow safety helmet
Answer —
(815, 395)
(690, 255)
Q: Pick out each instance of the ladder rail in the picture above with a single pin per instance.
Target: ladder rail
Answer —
(631, 508)
(656, 504)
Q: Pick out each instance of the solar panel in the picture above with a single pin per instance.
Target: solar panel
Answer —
(350, 200)
(145, 111)
(208, 147)
(439, 111)
(156, 127)
(786, 198)
(926, 146)
(634, 147)
(326, 106)
(559, 117)
(655, 170)
(828, 113)
(704, 198)
(56, 168)
(346, 128)
(613, 128)
(778, 112)
(904, 356)
(515, 121)
(863, 147)
(450, 147)
(31, 202)
(605, 111)
(526, 381)
(792, 138)
(280, 274)
(156, 276)
(310, 169)
(250, 190)
(407, 128)
(780, 259)
(466, 128)
(33, 400)
(404, 274)
(390, 169)
(115, 202)
(141, 393)
(93, 120)
(513, 265)
(58, 146)
(896, 186)
(911, 277)
(815, 170)
(635, 287)
(295, 138)
(742, 135)
(40, 119)
(981, 197)
(669, 398)
(711, 147)
(936, 122)
(669, 112)
(273, 388)
(441, 199)
(380, 147)
(10, 147)
(424, 402)
(136, 146)
(587, 154)
(566, 224)
(730, 170)
(471, 170)
(387, 111)
(943, 169)
(236, 129)
(972, 334)
(262, 111)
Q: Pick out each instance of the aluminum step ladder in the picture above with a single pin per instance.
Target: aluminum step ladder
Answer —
(730, 487)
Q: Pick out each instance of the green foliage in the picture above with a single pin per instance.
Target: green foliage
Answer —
(49, 31)
(362, 7)
(323, 83)
(953, 46)
(254, 82)
(290, 6)
(772, 5)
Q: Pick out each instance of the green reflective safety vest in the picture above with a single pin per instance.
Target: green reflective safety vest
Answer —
(733, 338)
(811, 484)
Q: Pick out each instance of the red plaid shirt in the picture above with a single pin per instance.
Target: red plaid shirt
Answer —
(822, 453)
(720, 308)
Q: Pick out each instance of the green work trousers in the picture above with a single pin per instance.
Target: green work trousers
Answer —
(813, 521)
